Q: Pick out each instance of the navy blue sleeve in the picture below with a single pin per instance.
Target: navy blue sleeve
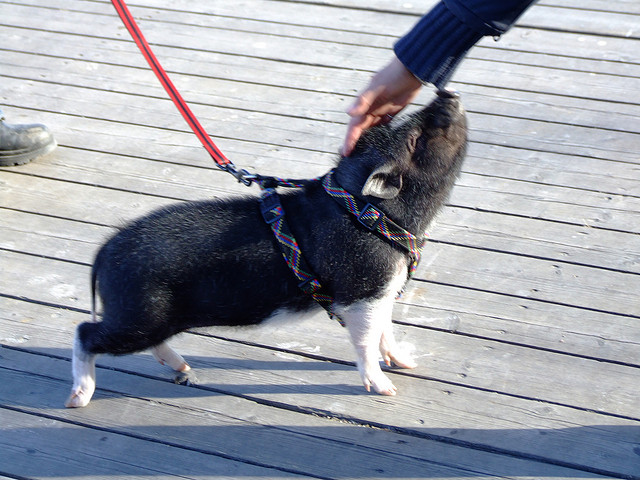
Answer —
(440, 40)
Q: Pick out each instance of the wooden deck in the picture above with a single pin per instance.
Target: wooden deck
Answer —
(524, 315)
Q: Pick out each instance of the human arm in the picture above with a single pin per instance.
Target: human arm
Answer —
(429, 53)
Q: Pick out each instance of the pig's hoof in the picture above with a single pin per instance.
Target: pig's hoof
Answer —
(400, 360)
(186, 377)
(381, 384)
(78, 398)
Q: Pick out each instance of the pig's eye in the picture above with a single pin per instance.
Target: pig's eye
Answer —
(412, 141)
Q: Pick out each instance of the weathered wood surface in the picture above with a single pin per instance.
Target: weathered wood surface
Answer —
(524, 315)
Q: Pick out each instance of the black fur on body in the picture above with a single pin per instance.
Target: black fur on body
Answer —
(217, 262)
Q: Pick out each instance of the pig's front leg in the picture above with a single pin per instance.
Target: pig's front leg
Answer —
(366, 321)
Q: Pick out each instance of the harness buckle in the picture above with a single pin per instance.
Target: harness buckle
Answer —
(370, 217)
(310, 286)
(270, 206)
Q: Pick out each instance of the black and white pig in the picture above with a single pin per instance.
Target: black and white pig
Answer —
(217, 262)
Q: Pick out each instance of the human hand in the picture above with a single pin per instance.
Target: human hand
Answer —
(388, 92)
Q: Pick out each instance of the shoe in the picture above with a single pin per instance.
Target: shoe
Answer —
(20, 144)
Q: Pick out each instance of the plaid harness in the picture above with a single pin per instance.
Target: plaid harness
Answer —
(376, 221)
(367, 214)
(273, 214)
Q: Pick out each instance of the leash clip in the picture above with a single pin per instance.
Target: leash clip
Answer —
(243, 176)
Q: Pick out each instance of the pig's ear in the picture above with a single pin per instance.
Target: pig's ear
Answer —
(385, 182)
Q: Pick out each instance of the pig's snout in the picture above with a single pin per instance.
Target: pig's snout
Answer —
(449, 100)
(448, 94)
(446, 109)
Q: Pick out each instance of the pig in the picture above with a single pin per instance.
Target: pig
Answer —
(216, 262)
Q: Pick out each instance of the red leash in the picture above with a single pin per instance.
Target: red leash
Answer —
(222, 161)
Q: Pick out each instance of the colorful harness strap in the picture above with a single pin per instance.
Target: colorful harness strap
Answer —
(368, 215)
(376, 221)
(273, 215)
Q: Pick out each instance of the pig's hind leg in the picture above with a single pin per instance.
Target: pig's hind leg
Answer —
(164, 354)
(115, 335)
(83, 365)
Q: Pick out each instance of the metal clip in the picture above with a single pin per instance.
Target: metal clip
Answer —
(243, 176)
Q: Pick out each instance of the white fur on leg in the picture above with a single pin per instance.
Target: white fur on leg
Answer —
(164, 354)
(365, 321)
(371, 330)
(84, 376)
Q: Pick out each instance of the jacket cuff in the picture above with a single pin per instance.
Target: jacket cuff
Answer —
(436, 45)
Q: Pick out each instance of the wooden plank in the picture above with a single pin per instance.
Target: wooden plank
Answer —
(281, 131)
(503, 318)
(78, 243)
(578, 245)
(530, 278)
(550, 281)
(616, 212)
(596, 16)
(538, 166)
(425, 408)
(198, 425)
(530, 165)
(582, 21)
(486, 364)
(271, 97)
(551, 139)
(534, 180)
(51, 237)
(589, 247)
(284, 133)
(450, 264)
(605, 144)
(622, 6)
(612, 58)
(547, 168)
(397, 24)
(260, 433)
(34, 446)
(486, 315)
(320, 106)
(258, 44)
(558, 204)
(596, 6)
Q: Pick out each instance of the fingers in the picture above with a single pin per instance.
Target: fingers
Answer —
(361, 105)
(357, 125)
(353, 134)
(389, 91)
